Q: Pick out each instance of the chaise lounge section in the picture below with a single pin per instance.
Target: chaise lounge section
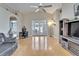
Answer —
(7, 45)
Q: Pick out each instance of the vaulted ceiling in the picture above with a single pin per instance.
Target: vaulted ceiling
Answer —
(25, 7)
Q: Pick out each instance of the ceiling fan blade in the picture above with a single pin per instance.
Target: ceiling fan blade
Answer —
(36, 10)
(46, 6)
(34, 6)
(44, 10)
(40, 4)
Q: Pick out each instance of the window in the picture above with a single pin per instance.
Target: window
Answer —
(13, 25)
(39, 27)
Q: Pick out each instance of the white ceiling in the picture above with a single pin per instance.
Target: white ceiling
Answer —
(25, 7)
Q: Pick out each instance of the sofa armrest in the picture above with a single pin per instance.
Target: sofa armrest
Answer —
(10, 39)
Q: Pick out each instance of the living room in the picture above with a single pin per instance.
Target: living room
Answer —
(44, 23)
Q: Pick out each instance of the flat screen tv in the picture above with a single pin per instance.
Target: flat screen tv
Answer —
(73, 29)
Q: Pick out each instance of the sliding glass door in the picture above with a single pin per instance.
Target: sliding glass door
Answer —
(39, 35)
(39, 27)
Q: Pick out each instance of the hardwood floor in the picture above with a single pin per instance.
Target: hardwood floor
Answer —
(54, 48)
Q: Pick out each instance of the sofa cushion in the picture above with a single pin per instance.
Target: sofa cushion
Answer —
(4, 39)
(1, 38)
(6, 49)
(10, 40)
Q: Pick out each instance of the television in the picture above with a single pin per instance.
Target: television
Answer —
(73, 29)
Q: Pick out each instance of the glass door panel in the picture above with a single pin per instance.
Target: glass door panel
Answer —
(39, 35)
(36, 29)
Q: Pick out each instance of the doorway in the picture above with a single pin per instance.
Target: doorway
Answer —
(39, 35)
(13, 26)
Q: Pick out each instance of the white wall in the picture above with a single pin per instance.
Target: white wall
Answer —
(19, 19)
(67, 11)
(4, 20)
(56, 17)
(28, 17)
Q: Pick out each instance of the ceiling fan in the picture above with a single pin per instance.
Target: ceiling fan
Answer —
(41, 7)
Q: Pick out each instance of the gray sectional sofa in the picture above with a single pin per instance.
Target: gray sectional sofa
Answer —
(7, 45)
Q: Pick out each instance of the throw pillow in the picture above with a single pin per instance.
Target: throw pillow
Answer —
(1, 40)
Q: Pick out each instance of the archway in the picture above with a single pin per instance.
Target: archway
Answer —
(13, 26)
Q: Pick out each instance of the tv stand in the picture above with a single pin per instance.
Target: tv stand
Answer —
(69, 43)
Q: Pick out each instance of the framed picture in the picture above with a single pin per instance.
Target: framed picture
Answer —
(76, 9)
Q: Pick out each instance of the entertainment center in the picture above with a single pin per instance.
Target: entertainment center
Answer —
(69, 35)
